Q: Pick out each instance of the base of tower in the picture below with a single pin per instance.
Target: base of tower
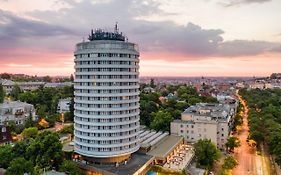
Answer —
(108, 160)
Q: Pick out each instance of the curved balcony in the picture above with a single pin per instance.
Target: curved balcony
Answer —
(106, 94)
(106, 73)
(107, 131)
(107, 109)
(111, 145)
(127, 136)
(106, 59)
(112, 80)
(106, 154)
(106, 123)
(107, 116)
(106, 101)
(105, 87)
(107, 66)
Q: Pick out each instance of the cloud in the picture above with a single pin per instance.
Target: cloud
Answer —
(53, 34)
(19, 65)
(229, 3)
(246, 48)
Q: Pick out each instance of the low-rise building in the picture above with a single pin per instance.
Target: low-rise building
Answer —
(58, 85)
(30, 86)
(24, 86)
(7, 85)
(63, 105)
(16, 111)
(204, 120)
(5, 135)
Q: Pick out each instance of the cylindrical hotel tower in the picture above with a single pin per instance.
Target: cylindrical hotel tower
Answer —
(106, 97)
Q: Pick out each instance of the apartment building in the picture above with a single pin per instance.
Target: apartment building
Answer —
(205, 120)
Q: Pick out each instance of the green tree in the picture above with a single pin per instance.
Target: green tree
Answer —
(229, 163)
(30, 132)
(206, 153)
(20, 166)
(16, 92)
(147, 108)
(161, 121)
(152, 83)
(28, 123)
(6, 155)
(45, 150)
(20, 147)
(71, 110)
(232, 142)
(2, 93)
(70, 167)
(71, 78)
(12, 125)
(42, 110)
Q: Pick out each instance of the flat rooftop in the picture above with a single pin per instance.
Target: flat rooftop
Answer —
(133, 165)
(164, 148)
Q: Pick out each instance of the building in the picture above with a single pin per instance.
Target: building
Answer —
(5, 135)
(7, 85)
(24, 86)
(106, 97)
(30, 86)
(16, 111)
(160, 148)
(58, 85)
(63, 105)
(210, 121)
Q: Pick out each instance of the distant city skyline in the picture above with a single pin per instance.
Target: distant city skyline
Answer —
(178, 38)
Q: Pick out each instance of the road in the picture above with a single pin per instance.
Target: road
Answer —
(249, 163)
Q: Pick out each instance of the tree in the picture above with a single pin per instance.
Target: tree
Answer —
(152, 83)
(70, 167)
(30, 132)
(45, 150)
(232, 142)
(20, 166)
(68, 130)
(71, 78)
(206, 153)
(29, 122)
(12, 125)
(2, 93)
(161, 121)
(16, 92)
(229, 163)
(5, 76)
(71, 109)
(20, 147)
(147, 108)
(6, 156)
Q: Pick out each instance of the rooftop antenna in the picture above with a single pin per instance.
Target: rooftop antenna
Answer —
(116, 28)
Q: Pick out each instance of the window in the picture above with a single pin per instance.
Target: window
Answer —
(4, 129)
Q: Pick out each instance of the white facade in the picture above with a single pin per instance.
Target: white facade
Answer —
(24, 86)
(16, 111)
(206, 121)
(63, 105)
(106, 98)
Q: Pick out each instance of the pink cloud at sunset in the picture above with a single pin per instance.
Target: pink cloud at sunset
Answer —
(41, 39)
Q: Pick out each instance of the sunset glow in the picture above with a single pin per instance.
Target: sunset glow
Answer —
(221, 38)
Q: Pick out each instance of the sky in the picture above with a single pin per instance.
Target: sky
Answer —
(175, 37)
